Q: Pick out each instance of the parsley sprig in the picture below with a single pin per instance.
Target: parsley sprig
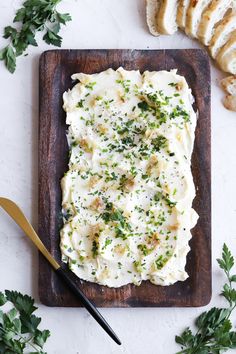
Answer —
(19, 326)
(34, 16)
(214, 329)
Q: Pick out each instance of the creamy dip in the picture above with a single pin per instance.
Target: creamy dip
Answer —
(127, 196)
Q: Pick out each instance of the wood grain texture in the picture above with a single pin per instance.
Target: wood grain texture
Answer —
(56, 68)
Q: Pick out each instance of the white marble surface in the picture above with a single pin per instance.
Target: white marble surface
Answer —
(98, 24)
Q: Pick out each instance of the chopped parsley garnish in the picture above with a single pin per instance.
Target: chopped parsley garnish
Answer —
(144, 249)
(139, 266)
(125, 84)
(160, 196)
(95, 248)
(144, 176)
(80, 104)
(170, 203)
(143, 106)
(90, 85)
(121, 225)
(180, 112)
(110, 176)
(161, 261)
(108, 241)
(159, 143)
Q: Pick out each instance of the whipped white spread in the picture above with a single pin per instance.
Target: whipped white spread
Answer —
(127, 196)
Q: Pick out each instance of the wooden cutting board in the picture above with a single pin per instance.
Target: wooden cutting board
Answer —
(56, 68)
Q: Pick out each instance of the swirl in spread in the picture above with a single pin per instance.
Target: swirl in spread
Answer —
(127, 196)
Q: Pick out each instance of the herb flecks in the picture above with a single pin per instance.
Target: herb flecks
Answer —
(116, 218)
(161, 261)
(95, 248)
(159, 196)
(90, 86)
(160, 142)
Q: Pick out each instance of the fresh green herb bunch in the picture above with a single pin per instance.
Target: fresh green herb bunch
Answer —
(214, 329)
(19, 326)
(34, 16)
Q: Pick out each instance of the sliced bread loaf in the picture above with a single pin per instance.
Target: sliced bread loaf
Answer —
(210, 17)
(226, 56)
(229, 85)
(194, 15)
(230, 102)
(222, 34)
(182, 12)
(166, 17)
(152, 7)
(228, 62)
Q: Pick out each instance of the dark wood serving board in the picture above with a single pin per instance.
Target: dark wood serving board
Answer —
(56, 68)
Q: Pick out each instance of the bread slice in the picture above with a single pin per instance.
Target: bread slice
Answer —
(230, 102)
(166, 17)
(182, 12)
(222, 34)
(226, 56)
(229, 85)
(211, 16)
(152, 8)
(194, 15)
(228, 62)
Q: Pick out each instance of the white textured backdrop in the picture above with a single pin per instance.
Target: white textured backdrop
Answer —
(99, 24)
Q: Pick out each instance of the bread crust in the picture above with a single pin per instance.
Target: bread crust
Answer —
(166, 17)
(225, 53)
(152, 7)
(210, 17)
(194, 14)
(222, 34)
(229, 85)
(230, 102)
(228, 62)
(182, 13)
